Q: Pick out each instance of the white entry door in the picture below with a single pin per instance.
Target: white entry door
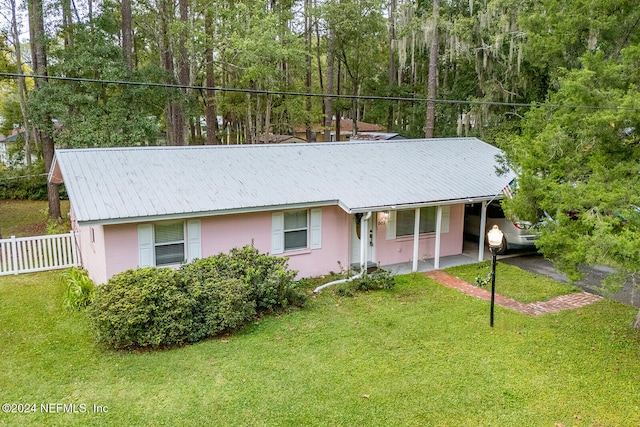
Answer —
(369, 234)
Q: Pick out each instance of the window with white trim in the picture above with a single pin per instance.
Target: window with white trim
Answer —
(169, 243)
(405, 221)
(401, 223)
(296, 228)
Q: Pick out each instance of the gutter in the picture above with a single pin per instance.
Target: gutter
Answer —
(363, 255)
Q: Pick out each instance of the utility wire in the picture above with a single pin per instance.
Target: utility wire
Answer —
(23, 176)
(318, 95)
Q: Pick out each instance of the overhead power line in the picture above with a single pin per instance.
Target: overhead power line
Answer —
(318, 95)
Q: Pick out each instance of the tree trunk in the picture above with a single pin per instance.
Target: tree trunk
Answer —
(66, 22)
(338, 111)
(392, 63)
(211, 116)
(39, 59)
(267, 120)
(166, 62)
(182, 134)
(318, 58)
(249, 125)
(127, 35)
(432, 83)
(22, 88)
(307, 32)
(328, 113)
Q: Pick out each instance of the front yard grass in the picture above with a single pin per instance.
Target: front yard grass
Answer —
(25, 218)
(420, 354)
(513, 282)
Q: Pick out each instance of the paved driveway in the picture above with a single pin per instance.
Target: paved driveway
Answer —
(535, 263)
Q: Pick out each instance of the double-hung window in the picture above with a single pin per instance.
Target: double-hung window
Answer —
(169, 243)
(405, 221)
(296, 228)
(402, 223)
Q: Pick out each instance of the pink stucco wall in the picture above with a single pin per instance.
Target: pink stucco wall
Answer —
(92, 252)
(220, 233)
(115, 248)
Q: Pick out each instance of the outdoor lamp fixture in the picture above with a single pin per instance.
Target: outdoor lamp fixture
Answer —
(495, 243)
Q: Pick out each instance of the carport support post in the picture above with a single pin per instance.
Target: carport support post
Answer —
(436, 259)
(416, 240)
(364, 233)
(483, 221)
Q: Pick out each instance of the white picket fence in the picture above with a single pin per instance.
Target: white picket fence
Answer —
(40, 253)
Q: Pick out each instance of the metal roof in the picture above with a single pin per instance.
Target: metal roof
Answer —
(111, 185)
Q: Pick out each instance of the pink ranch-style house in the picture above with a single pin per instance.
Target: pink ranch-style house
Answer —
(322, 205)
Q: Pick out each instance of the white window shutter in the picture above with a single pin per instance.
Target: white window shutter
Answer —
(277, 232)
(446, 215)
(194, 240)
(316, 228)
(391, 225)
(145, 246)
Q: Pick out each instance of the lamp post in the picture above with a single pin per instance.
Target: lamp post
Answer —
(495, 243)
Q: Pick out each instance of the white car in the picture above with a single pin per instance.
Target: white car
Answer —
(517, 234)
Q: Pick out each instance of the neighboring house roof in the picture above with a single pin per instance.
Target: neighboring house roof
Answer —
(346, 126)
(376, 136)
(280, 139)
(118, 185)
(13, 137)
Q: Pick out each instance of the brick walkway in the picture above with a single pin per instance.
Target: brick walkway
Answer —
(563, 302)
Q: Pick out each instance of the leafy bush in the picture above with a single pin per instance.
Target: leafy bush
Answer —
(378, 279)
(156, 307)
(148, 307)
(219, 306)
(269, 278)
(80, 289)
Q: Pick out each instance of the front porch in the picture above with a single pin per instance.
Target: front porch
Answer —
(469, 255)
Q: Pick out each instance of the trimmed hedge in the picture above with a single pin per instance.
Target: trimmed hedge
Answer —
(159, 307)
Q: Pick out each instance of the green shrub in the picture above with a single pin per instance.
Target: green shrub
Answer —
(148, 307)
(378, 279)
(157, 307)
(220, 305)
(269, 278)
(80, 289)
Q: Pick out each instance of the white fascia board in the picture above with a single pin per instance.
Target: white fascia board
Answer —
(187, 215)
(423, 205)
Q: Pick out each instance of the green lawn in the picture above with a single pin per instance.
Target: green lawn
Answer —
(24, 218)
(514, 282)
(420, 354)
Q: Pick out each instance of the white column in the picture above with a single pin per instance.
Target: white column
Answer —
(483, 221)
(436, 261)
(416, 240)
(363, 243)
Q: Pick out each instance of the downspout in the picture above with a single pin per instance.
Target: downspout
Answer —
(364, 227)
